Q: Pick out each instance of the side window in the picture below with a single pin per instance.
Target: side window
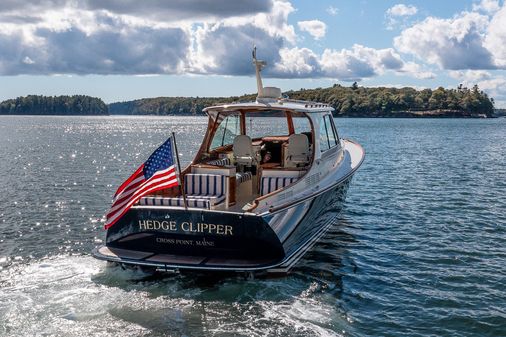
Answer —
(324, 139)
(328, 135)
(335, 131)
(333, 140)
(228, 129)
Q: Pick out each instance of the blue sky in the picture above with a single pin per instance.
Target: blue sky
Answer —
(128, 49)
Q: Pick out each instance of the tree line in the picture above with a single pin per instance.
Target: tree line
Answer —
(352, 101)
(356, 100)
(171, 105)
(347, 101)
(54, 105)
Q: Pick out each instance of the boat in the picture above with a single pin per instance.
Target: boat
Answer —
(270, 178)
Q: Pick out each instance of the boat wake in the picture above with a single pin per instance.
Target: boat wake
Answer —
(78, 295)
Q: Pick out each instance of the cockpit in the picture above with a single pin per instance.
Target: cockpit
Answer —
(265, 150)
(248, 155)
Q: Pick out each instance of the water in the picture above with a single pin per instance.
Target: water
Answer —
(420, 249)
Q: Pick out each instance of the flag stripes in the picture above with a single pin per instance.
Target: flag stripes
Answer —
(157, 173)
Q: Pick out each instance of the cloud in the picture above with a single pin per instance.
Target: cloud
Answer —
(487, 6)
(77, 43)
(345, 64)
(495, 39)
(161, 9)
(399, 14)
(417, 71)
(315, 28)
(402, 10)
(470, 75)
(455, 43)
(331, 10)
(297, 62)
(223, 49)
(91, 37)
(494, 85)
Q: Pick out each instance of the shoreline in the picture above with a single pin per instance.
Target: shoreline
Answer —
(382, 116)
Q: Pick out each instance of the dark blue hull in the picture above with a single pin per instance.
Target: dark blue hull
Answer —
(177, 239)
(303, 224)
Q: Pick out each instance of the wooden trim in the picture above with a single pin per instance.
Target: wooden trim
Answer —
(204, 147)
(289, 121)
(242, 115)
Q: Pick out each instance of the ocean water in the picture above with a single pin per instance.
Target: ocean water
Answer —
(419, 250)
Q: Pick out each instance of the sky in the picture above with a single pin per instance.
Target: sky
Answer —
(121, 50)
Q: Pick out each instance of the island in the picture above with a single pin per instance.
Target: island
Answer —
(54, 105)
(353, 101)
(348, 101)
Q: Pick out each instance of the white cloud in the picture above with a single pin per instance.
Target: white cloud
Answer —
(399, 15)
(28, 60)
(174, 10)
(71, 38)
(345, 64)
(487, 6)
(495, 39)
(297, 62)
(224, 47)
(469, 40)
(417, 71)
(470, 75)
(331, 10)
(494, 86)
(402, 10)
(455, 43)
(315, 28)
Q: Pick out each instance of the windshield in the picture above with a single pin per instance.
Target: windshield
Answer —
(259, 125)
(228, 129)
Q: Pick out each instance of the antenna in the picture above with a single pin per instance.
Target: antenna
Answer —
(258, 67)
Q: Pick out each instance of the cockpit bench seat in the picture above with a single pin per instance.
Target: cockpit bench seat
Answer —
(202, 191)
(241, 177)
(191, 200)
(273, 180)
(220, 162)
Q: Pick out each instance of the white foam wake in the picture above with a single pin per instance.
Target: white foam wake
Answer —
(80, 296)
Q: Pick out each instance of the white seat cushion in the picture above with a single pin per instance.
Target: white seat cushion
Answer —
(243, 150)
(243, 176)
(297, 151)
(273, 180)
(220, 162)
(202, 191)
(192, 201)
(204, 184)
(271, 184)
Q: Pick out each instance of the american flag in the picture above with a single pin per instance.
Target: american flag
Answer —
(157, 173)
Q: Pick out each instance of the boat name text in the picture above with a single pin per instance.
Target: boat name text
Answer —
(186, 226)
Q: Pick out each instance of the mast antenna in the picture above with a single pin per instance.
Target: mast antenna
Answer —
(258, 67)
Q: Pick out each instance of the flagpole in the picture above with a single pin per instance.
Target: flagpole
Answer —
(181, 187)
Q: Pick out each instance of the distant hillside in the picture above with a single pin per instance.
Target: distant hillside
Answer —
(170, 105)
(54, 105)
(354, 101)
